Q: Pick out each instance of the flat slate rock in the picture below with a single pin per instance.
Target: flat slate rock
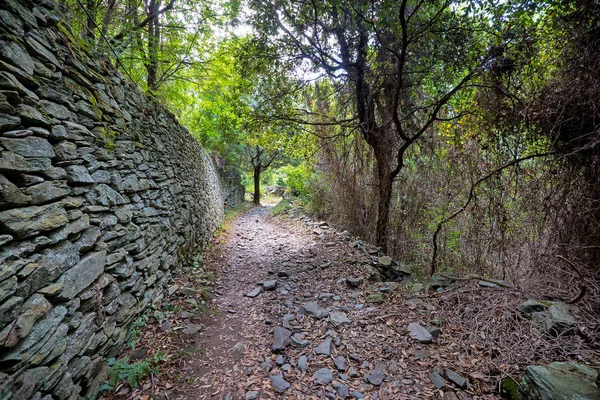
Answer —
(323, 376)
(437, 380)
(560, 380)
(530, 306)
(302, 363)
(255, 292)
(269, 285)
(192, 329)
(457, 379)
(559, 318)
(418, 333)
(340, 363)
(298, 340)
(252, 395)
(324, 347)
(280, 385)
(281, 338)
(354, 282)
(341, 389)
(338, 318)
(375, 377)
(313, 309)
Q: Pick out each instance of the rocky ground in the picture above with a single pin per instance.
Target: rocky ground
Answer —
(296, 309)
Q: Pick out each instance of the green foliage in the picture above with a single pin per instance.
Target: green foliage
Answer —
(282, 207)
(122, 370)
(296, 177)
(136, 329)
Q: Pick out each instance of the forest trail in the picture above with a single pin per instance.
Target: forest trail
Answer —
(349, 337)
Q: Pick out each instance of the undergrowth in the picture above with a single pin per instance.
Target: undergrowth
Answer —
(122, 370)
(282, 207)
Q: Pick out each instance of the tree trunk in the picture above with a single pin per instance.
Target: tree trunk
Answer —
(153, 42)
(91, 21)
(385, 197)
(257, 171)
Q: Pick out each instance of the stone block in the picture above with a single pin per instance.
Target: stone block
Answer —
(82, 275)
(27, 221)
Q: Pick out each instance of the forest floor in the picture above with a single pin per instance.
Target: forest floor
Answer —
(349, 341)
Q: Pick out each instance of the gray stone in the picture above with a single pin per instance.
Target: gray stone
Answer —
(30, 146)
(302, 363)
(104, 195)
(65, 151)
(8, 287)
(192, 329)
(438, 281)
(269, 285)
(339, 318)
(559, 318)
(31, 116)
(47, 191)
(11, 195)
(281, 338)
(313, 309)
(340, 363)
(252, 395)
(324, 347)
(82, 274)
(488, 285)
(436, 378)
(54, 110)
(357, 395)
(455, 378)
(78, 174)
(8, 122)
(28, 221)
(15, 54)
(280, 385)
(558, 381)
(375, 377)
(402, 269)
(298, 340)
(323, 376)
(354, 282)
(254, 292)
(9, 310)
(32, 310)
(10, 161)
(418, 333)
(341, 390)
(28, 347)
(531, 306)
(353, 373)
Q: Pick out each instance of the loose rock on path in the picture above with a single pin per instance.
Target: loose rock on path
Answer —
(284, 326)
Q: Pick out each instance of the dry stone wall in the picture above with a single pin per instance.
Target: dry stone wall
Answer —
(102, 193)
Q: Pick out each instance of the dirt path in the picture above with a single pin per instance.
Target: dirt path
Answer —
(348, 341)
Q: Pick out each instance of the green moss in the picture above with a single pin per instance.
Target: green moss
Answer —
(108, 137)
(66, 32)
(510, 388)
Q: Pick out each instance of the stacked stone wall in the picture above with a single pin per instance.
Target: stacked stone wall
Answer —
(102, 194)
